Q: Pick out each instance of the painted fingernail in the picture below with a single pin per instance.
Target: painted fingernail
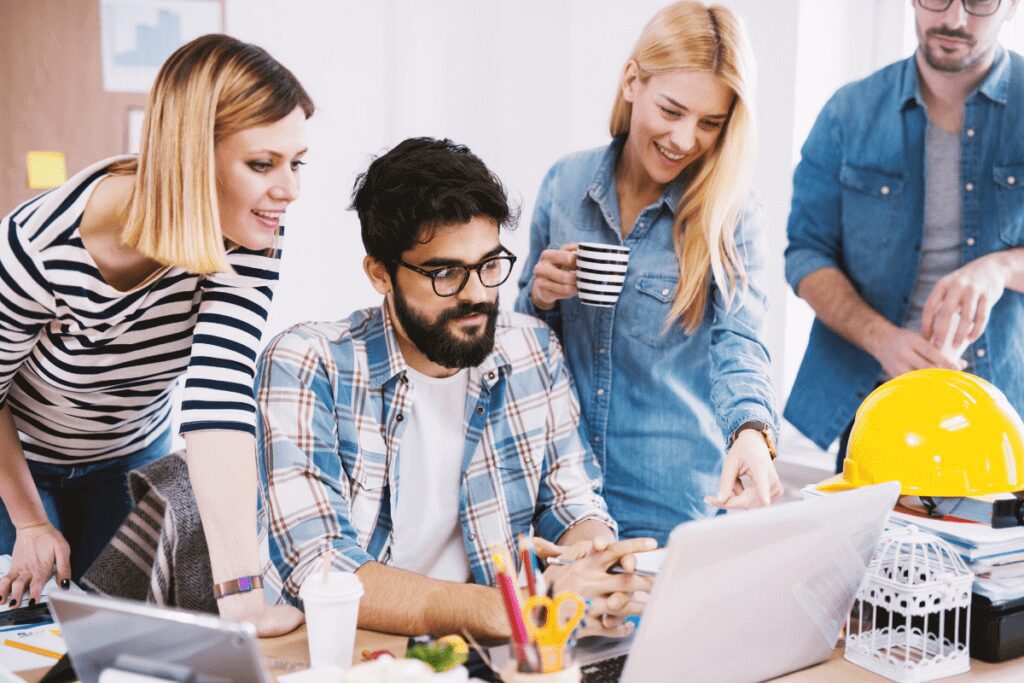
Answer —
(31, 602)
(12, 603)
(65, 583)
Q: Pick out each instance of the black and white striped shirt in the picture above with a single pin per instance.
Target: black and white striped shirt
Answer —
(89, 371)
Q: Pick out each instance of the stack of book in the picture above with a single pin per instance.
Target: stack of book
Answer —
(984, 531)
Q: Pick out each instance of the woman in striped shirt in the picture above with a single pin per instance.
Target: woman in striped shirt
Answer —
(134, 273)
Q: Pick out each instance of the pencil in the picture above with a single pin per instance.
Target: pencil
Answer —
(526, 554)
(33, 649)
(515, 616)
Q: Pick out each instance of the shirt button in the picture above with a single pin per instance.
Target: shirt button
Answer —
(479, 410)
(601, 350)
(885, 190)
(600, 392)
(472, 536)
(1011, 181)
(980, 353)
(970, 241)
(969, 187)
(597, 439)
(970, 132)
(399, 417)
(529, 459)
(490, 375)
(665, 291)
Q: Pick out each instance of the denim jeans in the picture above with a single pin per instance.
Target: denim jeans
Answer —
(87, 503)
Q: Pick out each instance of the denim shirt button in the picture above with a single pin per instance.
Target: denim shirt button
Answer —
(601, 350)
(600, 392)
(885, 190)
(597, 439)
(980, 353)
(969, 187)
(970, 241)
(1011, 181)
(970, 132)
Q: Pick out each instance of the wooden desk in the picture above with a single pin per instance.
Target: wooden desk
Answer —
(289, 653)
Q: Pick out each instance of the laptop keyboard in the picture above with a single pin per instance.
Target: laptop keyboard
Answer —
(605, 671)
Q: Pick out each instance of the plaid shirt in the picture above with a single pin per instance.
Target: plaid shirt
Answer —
(331, 401)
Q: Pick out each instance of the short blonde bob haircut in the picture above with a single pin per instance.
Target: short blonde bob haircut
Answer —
(692, 36)
(209, 88)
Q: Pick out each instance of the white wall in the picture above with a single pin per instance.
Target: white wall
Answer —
(523, 83)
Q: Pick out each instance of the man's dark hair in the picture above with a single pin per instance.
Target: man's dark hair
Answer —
(420, 185)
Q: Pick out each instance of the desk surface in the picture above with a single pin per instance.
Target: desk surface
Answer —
(288, 653)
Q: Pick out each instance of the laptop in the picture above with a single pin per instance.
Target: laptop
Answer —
(750, 596)
(107, 633)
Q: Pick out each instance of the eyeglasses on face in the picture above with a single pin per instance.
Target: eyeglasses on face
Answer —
(450, 280)
(977, 8)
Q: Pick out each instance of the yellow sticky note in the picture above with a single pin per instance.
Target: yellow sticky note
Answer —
(46, 170)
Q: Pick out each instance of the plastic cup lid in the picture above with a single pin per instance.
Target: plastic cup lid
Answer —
(339, 586)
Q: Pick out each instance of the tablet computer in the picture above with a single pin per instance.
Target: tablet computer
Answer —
(107, 633)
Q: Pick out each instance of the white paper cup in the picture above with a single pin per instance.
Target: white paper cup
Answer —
(600, 272)
(332, 609)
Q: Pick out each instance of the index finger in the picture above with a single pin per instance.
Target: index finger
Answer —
(931, 305)
(561, 258)
(762, 482)
(730, 473)
(616, 551)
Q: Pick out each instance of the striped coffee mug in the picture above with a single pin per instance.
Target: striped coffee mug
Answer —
(600, 272)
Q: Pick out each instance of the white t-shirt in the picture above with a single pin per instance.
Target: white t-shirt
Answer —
(426, 528)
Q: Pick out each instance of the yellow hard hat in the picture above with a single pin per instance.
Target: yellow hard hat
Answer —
(939, 433)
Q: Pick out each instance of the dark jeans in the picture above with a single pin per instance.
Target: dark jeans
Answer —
(87, 503)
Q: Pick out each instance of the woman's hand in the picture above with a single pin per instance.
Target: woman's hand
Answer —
(612, 597)
(37, 548)
(269, 620)
(748, 457)
(554, 277)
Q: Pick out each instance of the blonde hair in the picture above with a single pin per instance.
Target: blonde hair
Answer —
(692, 36)
(209, 88)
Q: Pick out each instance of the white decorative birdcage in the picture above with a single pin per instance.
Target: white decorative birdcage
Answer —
(911, 618)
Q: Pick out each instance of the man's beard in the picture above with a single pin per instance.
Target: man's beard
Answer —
(940, 61)
(441, 346)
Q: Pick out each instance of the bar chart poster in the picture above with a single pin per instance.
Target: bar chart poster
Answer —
(138, 35)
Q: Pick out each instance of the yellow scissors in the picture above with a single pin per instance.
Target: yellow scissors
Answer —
(552, 631)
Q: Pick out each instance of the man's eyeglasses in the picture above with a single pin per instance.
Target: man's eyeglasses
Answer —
(450, 280)
(978, 8)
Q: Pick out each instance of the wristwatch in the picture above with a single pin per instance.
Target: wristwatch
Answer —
(242, 584)
(766, 432)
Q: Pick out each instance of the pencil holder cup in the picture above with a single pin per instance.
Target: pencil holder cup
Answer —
(568, 675)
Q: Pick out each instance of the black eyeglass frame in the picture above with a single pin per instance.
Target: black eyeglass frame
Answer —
(964, 3)
(432, 274)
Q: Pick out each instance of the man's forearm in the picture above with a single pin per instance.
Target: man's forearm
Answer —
(402, 602)
(587, 530)
(838, 305)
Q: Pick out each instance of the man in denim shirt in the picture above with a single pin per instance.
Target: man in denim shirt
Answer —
(908, 218)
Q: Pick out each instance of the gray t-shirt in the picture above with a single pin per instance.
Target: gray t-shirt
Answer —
(941, 248)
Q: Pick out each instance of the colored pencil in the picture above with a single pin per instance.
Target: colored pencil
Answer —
(33, 649)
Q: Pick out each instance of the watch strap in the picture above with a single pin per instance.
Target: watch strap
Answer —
(766, 432)
(243, 584)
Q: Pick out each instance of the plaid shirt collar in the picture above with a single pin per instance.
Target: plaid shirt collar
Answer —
(387, 364)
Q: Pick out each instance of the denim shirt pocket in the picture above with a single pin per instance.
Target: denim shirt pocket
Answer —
(1010, 203)
(650, 312)
(871, 205)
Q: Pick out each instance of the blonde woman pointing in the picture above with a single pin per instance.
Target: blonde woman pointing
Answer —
(135, 273)
(674, 380)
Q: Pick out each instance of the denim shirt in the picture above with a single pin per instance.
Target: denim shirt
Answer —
(858, 205)
(658, 404)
